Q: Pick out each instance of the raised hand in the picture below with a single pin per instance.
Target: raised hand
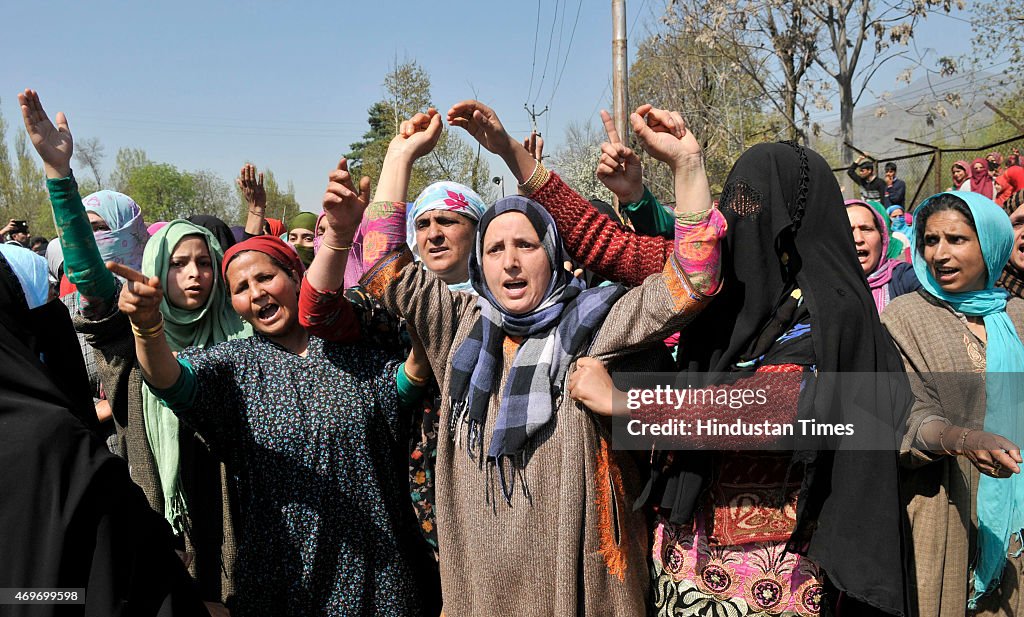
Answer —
(343, 205)
(141, 296)
(534, 144)
(252, 189)
(482, 123)
(418, 135)
(664, 136)
(619, 168)
(53, 143)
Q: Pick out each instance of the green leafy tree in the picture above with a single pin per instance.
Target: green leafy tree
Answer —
(127, 161)
(32, 202)
(162, 191)
(8, 185)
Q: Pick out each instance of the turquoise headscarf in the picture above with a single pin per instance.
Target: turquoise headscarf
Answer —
(1000, 503)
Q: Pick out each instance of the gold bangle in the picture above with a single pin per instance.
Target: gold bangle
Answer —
(942, 445)
(416, 381)
(335, 248)
(963, 440)
(536, 180)
(151, 332)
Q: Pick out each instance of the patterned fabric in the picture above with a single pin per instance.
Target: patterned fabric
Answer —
(695, 575)
(325, 526)
(701, 257)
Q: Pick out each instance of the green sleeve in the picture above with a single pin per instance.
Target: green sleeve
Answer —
(408, 393)
(649, 217)
(82, 262)
(181, 396)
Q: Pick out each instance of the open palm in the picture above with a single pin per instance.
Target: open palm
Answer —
(53, 143)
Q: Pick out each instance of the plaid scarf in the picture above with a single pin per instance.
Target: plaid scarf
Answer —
(1012, 279)
(554, 333)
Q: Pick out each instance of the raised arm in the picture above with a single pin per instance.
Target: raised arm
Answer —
(594, 240)
(82, 262)
(140, 301)
(251, 185)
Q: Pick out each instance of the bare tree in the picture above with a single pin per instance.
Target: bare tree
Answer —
(89, 153)
(576, 161)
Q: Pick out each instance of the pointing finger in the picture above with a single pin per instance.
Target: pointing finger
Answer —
(609, 127)
(131, 275)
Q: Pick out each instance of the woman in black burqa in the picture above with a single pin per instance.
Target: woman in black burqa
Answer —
(70, 516)
(788, 230)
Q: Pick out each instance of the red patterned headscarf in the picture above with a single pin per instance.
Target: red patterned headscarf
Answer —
(271, 246)
(275, 226)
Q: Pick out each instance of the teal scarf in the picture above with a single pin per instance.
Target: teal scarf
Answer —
(1000, 503)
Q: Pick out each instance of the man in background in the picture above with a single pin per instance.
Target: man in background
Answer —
(895, 189)
(862, 171)
(15, 232)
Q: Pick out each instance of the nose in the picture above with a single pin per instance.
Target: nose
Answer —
(510, 260)
(192, 270)
(858, 237)
(435, 232)
(256, 291)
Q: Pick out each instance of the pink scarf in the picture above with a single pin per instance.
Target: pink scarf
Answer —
(981, 182)
(879, 278)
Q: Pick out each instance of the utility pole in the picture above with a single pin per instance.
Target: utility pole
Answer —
(532, 111)
(619, 69)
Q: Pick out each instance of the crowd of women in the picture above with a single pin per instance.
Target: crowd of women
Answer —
(404, 406)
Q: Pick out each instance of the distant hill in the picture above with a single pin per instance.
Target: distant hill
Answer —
(903, 114)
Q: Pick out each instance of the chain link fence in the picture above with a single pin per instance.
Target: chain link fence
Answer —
(928, 172)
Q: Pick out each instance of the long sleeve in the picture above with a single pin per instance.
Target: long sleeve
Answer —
(649, 217)
(596, 241)
(82, 262)
(851, 171)
(327, 314)
(381, 231)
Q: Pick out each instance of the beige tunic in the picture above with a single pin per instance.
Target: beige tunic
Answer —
(946, 363)
(561, 552)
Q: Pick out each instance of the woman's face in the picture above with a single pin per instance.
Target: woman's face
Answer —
(1017, 254)
(979, 167)
(263, 294)
(321, 229)
(516, 269)
(896, 214)
(445, 240)
(953, 253)
(190, 274)
(300, 237)
(959, 174)
(866, 237)
(97, 222)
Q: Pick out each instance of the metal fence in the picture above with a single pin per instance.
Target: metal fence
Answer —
(928, 172)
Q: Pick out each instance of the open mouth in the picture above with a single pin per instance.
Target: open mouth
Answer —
(437, 250)
(268, 312)
(946, 274)
(862, 254)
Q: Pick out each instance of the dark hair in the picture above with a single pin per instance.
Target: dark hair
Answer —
(38, 240)
(890, 167)
(939, 203)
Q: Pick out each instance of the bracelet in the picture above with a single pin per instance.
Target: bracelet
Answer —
(257, 213)
(416, 381)
(151, 332)
(536, 180)
(334, 248)
(941, 445)
(963, 440)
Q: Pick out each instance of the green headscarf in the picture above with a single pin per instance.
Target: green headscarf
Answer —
(303, 220)
(215, 323)
(896, 246)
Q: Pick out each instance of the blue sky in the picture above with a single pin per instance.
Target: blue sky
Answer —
(209, 85)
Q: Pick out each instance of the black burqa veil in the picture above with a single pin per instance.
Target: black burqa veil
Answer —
(69, 513)
(217, 227)
(783, 199)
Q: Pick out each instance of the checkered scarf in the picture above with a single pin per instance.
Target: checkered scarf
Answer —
(1012, 279)
(556, 331)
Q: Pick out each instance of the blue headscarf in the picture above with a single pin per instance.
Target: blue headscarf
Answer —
(899, 223)
(1000, 503)
(127, 237)
(31, 271)
(450, 196)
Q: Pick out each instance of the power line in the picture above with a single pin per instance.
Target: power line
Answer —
(547, 58)
(533, 63)
(568, 49)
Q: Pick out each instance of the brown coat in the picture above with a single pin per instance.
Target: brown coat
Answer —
(576, 546)
(946, 363)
